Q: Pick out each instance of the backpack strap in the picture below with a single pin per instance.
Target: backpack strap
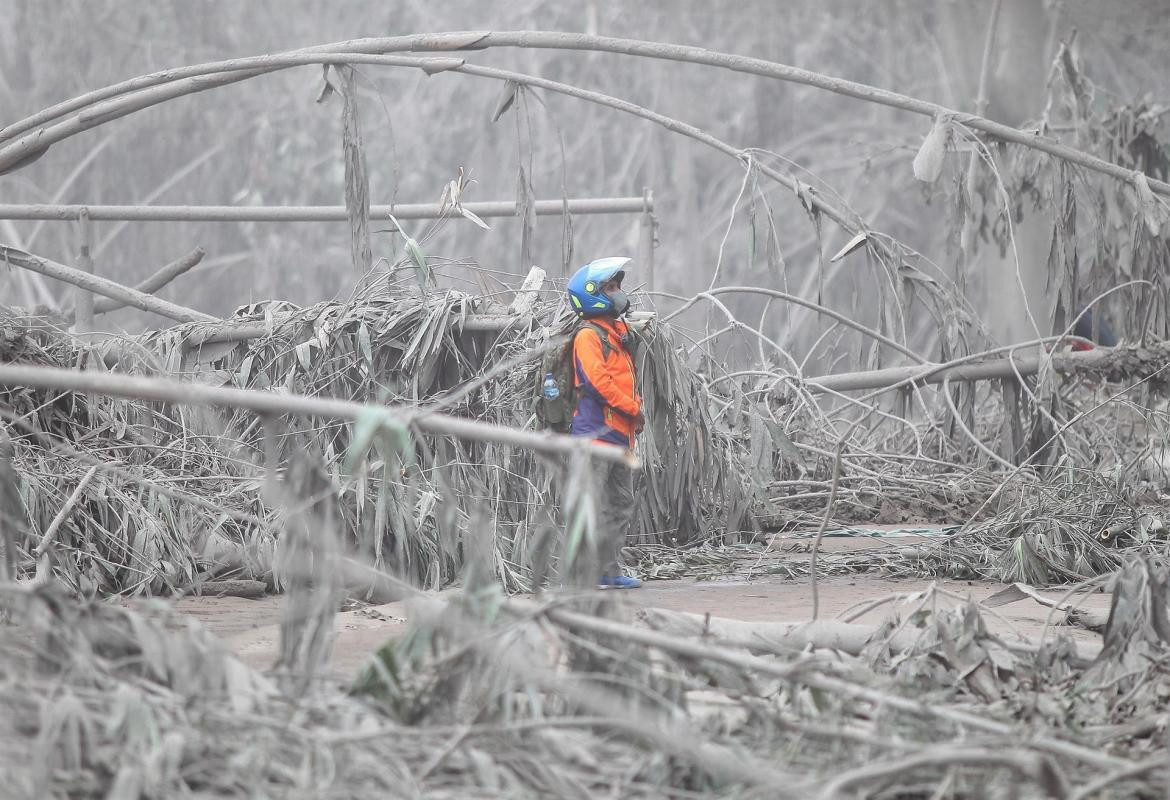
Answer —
(602, 334)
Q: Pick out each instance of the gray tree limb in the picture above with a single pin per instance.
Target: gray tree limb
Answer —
(158, 280)
(264, 402)
(99, 285)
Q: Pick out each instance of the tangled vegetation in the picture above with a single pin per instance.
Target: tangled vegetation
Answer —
(379, 448)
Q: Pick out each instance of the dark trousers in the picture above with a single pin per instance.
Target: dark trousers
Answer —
(614, 495)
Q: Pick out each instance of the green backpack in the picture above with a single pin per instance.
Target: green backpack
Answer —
(556, 413)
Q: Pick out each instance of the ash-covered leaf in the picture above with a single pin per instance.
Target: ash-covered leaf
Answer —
(928, 163)
(472, 216)
(854, 243)
(420, 261)
(1151, 209)
(327, 88)
(506, 99)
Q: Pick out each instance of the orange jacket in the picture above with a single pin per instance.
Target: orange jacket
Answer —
(607, 400)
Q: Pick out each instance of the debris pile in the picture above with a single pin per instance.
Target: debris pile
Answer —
(486, 696)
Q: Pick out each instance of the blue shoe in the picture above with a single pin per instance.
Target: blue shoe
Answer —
(618, 582)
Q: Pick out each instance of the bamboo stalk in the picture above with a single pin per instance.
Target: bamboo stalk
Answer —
(646, 233)
(104, 305)
(193, 213)
(842, 217)
(981, 98)
(791, 298)
(99, 285)
(83, 298)
(156, 281)
(157, 389)
(258, 64)
(996, 368)
(226, 331)
(66, 510)
(138, 93)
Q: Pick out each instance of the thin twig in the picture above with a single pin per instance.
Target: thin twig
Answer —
(65, 511)
(816, 548)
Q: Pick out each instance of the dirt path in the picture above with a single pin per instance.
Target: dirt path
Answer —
(250, 627)
(751, 593)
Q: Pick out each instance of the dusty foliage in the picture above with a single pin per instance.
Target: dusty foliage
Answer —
(487, 697)
(405, 500)
(179, 494)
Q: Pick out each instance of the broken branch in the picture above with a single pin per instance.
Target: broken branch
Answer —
(156, 281)
(263, 402)
(99, 285)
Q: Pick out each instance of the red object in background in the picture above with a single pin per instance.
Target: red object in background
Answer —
(1073, 346)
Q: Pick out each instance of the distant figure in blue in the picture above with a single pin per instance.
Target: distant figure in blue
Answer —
(1084, 329)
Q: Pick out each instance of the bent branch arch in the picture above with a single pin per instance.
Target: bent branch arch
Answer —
(158, 87)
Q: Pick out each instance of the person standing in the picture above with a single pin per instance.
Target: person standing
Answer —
(609, 408)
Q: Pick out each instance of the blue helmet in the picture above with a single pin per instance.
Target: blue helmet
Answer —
(584, 289)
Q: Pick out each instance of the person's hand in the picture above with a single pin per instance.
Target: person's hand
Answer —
(639, 422)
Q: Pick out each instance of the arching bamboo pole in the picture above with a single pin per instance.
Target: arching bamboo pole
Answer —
(158, 87)
(33, 145)
(800, 301)
(843, 217)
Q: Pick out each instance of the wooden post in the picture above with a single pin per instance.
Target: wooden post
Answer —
(967, 409)
(83, 298)
(646, 238)
(905, 402)
(1013, 428)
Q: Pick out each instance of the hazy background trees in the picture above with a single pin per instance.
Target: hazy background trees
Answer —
(266, 141)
